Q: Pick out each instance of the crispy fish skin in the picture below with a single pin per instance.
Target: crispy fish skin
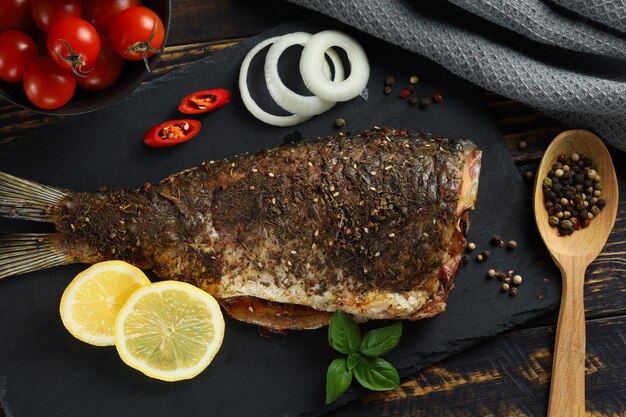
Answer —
(371, 224)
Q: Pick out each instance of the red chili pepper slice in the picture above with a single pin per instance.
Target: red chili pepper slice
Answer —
(171, 133)
(204, 101)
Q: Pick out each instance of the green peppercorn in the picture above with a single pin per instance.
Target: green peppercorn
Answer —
(547, 183)
(566, 227)
(340, 122)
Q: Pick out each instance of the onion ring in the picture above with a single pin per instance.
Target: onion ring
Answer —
(287, 98)
(250, 104)
(313, 57)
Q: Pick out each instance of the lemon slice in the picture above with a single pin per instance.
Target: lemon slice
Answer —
(169, 330)
(92, 300)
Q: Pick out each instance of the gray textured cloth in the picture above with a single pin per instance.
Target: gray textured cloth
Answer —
(566, 58)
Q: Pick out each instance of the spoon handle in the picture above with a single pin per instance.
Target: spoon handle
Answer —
(567, 391)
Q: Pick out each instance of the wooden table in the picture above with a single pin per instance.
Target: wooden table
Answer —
(506, 376)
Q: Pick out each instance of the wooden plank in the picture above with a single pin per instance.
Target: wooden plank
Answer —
(507, 376)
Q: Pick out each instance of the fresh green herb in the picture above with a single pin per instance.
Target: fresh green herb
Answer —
(338, 379)
(376, 374)
(363, 359)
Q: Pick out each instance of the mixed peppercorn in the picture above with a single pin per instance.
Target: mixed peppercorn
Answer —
(407, 92)
(572, 192)
(510, 280)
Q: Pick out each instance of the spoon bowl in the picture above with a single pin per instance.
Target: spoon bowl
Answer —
(572, 254)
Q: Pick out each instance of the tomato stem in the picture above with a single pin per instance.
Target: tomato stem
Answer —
(74, 58)
(145, 47)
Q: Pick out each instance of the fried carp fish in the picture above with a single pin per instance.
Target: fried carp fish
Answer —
(373, 225)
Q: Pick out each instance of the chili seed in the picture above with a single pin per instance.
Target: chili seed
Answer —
(413, 79)
(186, 126)
(387, 90)
(389, 81)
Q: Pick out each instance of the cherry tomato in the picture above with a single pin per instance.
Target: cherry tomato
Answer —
(16, 49)
(204, 101)
(73, 44)
(137, 33)
(47, 85)
(171, 133)
(47, 12)
(105, 71)
(100, 12)
(15, 14)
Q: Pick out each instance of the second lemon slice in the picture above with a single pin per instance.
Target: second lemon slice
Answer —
(91, 302)
(169, 330)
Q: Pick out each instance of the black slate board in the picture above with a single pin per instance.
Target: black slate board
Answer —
(46, 372)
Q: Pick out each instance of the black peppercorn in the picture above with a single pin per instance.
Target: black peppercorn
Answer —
(425, 102)
(496, 239)
(390, 81)
(413, 100)
(387, 90)
(601, 203)
(464, 260)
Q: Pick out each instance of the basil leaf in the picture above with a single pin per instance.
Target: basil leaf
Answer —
(381, 341)
(343, 333)
(376, 374)
(353, 359)
(338, 379)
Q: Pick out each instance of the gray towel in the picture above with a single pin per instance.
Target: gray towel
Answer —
(566, 58)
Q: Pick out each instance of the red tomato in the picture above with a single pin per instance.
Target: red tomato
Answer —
(16, 49)
(137, 33)
(46, 85)
(100, 12)
(73, 44)
(47, 12)
(15, 14)
(105, 71)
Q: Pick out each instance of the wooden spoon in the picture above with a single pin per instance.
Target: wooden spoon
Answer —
(572, 254)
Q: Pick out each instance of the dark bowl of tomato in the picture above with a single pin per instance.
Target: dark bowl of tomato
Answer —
(46, 67)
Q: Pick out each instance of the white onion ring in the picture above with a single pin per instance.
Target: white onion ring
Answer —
(287, 98)
(250, 104)
(313, 57)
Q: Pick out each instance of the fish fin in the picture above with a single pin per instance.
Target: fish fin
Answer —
(28, 200)
(28, 252)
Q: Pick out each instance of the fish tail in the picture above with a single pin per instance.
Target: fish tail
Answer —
(28, 252)
(28, 200)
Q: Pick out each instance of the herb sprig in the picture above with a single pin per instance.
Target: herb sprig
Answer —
(363, 360)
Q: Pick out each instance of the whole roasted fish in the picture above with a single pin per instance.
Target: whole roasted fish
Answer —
(373, 225)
